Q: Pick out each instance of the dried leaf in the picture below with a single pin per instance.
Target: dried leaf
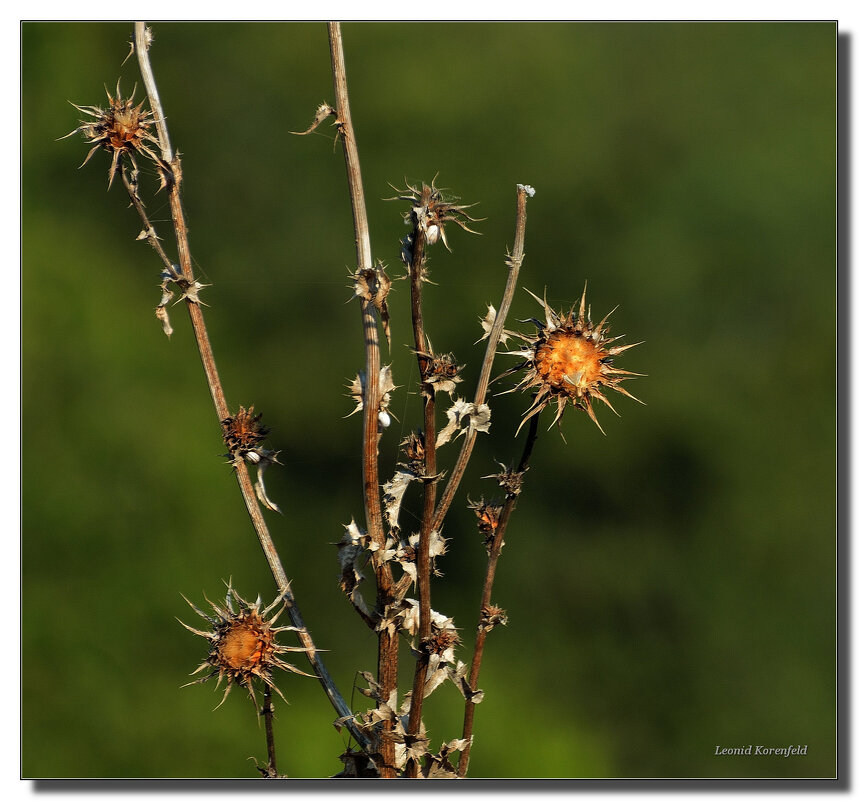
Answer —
(351, 547)
(437, 547)
(322, 113)
(357, 764)
(393, 492)
(259, 485)
(487, 322)
(434, 680)
(164, 318)
(458, 677)
(478, 420)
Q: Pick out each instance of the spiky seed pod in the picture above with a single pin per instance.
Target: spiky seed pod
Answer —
(430, 211)
(122, 129)
(570, 360)
(440, 372)
(508, 479)
(243, 432)
(413, 447)
(443, 640)
(488, 515)
(491, 616)
(242, 644)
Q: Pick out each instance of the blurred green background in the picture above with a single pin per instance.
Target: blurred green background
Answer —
(670, 586)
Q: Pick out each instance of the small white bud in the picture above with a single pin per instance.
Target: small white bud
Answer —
(384, 419)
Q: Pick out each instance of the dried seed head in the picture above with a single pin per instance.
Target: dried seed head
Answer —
(413, 447)
(442, 641)
(122, 129)
(508, 479)
(242, 644)
(569, 359)
(441, 372)
(243, 433)
(491, 616)
(429, 213)
(488, 515)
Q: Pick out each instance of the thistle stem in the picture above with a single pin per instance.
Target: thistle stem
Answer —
(416, 271)
(388, 642)
(174, 181)
(486, 598)
(514, 264)
(268, 714)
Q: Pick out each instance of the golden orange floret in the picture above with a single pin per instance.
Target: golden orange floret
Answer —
(244, 646)
(569, 359)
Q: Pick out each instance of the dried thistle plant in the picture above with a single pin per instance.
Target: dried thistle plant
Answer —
(566, 360)
(122, 129)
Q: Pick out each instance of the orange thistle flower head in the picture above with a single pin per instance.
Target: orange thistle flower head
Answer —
(242, 644)
(568, 359)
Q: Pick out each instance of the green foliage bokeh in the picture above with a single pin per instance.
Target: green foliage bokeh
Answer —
(670, 586)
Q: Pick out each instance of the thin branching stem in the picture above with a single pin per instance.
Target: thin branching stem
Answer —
(131, 187)
(268, 715)
(486, 598)
(174, 181)
(514, 264)
(388, 642)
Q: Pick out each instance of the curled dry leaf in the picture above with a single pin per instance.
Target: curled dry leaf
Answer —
(352, 545)
(263, 460)
(164, 318)
(439, 766)
(458, 676)
(322, 113)
(477, 416)
(488, 321)
(437, 547)
(393, 492)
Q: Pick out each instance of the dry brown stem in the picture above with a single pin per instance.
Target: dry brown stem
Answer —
(174, 181)
(514, 263)
(486, 597)
(388, 642)
(416, 272)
